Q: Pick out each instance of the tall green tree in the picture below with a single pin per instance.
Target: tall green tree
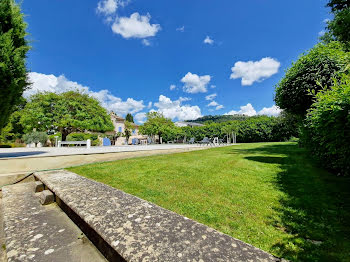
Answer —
(338, 5)
(156, 124)
(129, 118)
(67, 112)
(308, 75)
(13, 50)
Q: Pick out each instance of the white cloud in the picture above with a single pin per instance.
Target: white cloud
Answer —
(107, 7)
(51, 83)
(135, 26)
(181, 29)
(213, 103)
(208, 41)
(175, 109)
(254, 71)
(326, 20)
(250, 111)
(213, 86)
(195, 83)
(140, 118)
(245, 110)
(172, 87)
(270, 111)
(210, 97)
(146, 42)
(149, 105)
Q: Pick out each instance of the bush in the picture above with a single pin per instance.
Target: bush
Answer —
(251, 129)
(308, 74)
(84, 136)
(5, 146)
(326, 132)
(35, 137)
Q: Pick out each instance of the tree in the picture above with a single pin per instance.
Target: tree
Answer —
(156, 124)
(308, 75)
(14, 129)
(129, 118)
(35, 137)
(127, 130)
(339, 27)
(338, 5)
(67, 112)
(326, 132)
(13, 50)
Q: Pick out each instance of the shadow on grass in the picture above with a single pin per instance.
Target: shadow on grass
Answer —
(316, 209)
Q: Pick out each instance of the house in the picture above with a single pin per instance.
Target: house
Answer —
(119, 127)
(191, 124)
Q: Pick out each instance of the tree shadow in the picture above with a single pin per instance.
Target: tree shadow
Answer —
(315, 209)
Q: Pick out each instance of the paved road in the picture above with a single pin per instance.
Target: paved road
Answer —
(23, 152)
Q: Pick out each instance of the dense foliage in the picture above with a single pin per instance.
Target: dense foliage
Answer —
(13, 50)
(129, 118)
(308, 75)
(218, 118)
(339, 27)
(157, 124)
(35, 137)
(83, 137)
(327, 127)
(67, 112)
(252, 129)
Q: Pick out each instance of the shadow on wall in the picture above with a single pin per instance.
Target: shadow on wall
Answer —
(20, 154)
(316, 209)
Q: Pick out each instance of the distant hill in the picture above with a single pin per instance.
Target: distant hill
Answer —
(219, 118)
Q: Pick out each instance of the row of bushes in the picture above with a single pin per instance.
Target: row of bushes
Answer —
(252, 129)
(326, 131)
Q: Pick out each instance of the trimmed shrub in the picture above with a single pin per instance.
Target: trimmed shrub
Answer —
(326, 132)
(35, 137)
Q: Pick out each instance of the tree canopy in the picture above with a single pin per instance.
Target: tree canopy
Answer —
(13, 50)
(156, 124)
(129, 118)
(67, 112)
(312, 71)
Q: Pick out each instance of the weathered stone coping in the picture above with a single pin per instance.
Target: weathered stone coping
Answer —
(142, 231)
(34, 232)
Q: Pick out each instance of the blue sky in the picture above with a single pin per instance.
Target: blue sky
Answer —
(128, 53)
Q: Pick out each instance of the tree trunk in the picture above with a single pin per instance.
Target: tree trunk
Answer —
(64, 135)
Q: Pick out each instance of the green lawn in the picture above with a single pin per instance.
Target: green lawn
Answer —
(270, 195)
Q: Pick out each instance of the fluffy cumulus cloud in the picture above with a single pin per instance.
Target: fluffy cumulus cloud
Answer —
(255, 71)
(210, 97)
(172, 87)
(249, 110)
(213, 103)
(208, 41)
(140, 118)
(176, 110)
(270, 111)
(135, 26)
(195, 83)
(51, 83)
(107, 7)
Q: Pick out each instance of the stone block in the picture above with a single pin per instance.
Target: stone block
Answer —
(47, 197)
(38, 186)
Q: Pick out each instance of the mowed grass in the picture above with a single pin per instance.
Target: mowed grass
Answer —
(270, 195)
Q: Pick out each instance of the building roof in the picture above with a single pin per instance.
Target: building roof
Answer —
(116, 117)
